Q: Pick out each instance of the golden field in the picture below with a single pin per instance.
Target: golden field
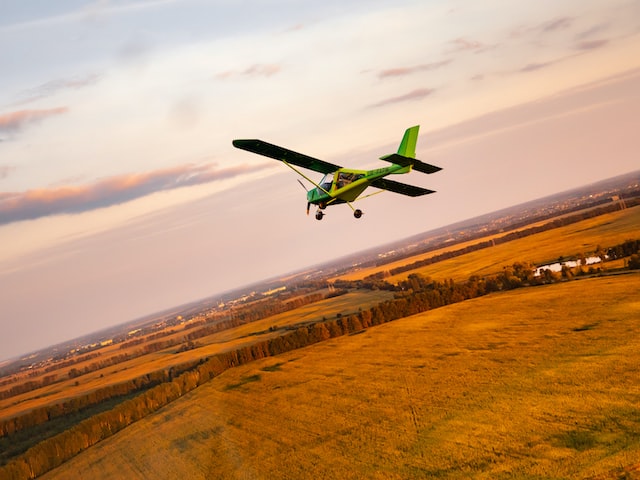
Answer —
(572, 240)
(166, 358)
(532, 383)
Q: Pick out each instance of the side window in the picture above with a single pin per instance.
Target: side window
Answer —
(345, 178)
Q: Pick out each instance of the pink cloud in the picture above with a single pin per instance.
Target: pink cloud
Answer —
(38, 203)
(594, 30)
(557, 24)
(549, 26)
(5, 170)
(591, 44)
(532, 67)
(295, 28)
(54, 86)
(465, 45)
(255, 70)
(417, 94)
(19, 119)
(402, 71)
(262, 70)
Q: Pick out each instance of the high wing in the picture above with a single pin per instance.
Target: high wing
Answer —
(401, 188)
(289, 156)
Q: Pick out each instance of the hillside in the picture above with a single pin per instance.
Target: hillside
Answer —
(530, 383)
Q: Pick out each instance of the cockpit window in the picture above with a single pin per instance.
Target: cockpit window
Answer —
(345, 178)
(326, 181)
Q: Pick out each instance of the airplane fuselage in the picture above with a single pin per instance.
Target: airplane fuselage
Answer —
(346, 185)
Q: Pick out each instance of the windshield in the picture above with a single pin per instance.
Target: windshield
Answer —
(326, 181)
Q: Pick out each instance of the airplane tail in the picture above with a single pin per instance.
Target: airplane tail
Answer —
(407, 147)
(406, 155)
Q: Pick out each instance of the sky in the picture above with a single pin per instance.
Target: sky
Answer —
(122, 195)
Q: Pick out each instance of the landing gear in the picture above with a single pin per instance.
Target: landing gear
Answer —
(320, 214)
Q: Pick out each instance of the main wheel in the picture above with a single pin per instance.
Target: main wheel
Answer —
(357, 213)
(319, 215)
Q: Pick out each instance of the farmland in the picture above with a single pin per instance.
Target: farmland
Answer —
(532, 383)
(571, 240)
(535, 380)
(222, 341)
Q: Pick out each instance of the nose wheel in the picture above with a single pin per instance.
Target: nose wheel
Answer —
(357, 213)
(319, 215)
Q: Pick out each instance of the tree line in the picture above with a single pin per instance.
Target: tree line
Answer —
(30, 385)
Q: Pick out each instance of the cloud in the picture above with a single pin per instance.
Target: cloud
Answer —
(255, 70)
(402, 71)
(561, 23)
(461, 44)
(532, 67)
(115, 190)
(593, 30)
(294, 28)
(547, 27)
(5, 170)
(417, 94)
(14, 121)
(591, 44)
(55, 86)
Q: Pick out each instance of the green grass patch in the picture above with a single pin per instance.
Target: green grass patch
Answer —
(579, 440)
(586, 327)
(273, 368)
(243, 381)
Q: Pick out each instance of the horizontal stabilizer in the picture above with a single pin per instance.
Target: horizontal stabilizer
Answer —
(406, 161)
(402, 188)
(273, 151)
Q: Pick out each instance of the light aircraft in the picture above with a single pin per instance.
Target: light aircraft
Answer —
(345, 185)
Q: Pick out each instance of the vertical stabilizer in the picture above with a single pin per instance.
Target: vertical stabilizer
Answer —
(407, 147)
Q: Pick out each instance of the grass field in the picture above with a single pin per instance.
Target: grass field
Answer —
(545, 247)
(221, 341)
(533, 383)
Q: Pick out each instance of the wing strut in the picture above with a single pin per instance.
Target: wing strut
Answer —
(304, 176)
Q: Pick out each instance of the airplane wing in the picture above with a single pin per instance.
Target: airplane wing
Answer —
(401, 188)
(285, 155)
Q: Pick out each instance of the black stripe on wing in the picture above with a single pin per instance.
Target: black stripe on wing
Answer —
(273, 151)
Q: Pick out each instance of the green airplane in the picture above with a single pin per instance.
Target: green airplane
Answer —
(345, 185)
